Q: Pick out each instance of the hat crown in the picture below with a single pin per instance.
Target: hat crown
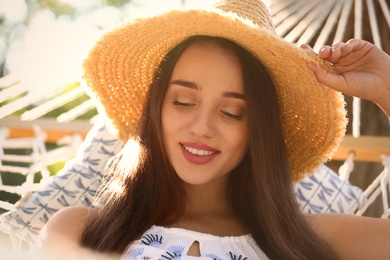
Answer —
(253, 10)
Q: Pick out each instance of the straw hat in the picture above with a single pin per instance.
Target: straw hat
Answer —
(120, 68)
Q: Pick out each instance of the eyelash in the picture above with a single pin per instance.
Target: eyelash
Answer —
(236, 117)
(232, 116)
(177, 103)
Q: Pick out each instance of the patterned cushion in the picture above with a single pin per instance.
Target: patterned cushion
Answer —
(78, 181)
(75, 184)
(325, 192)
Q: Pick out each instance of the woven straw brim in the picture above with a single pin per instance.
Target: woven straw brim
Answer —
(120, 68)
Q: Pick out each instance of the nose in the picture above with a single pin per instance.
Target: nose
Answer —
(203, 123)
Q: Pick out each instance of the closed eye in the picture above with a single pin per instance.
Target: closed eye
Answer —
(184, 104)
(233, 116)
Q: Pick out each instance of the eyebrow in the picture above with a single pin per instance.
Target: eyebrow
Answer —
(194, 86)
(233, 95)
(186, 84)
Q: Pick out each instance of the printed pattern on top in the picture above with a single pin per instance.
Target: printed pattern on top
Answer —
(173, 243)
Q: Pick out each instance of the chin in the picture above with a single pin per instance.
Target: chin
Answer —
(199, 181)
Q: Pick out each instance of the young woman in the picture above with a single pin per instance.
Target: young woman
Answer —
(220, 116)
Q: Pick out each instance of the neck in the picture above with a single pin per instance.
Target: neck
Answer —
(210, 198)
(208, 210)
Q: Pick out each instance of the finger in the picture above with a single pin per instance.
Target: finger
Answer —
(355, 43)
(325, 52)
(306, 46)
(327, 78)
(336, 52)
(338, 45)
(347, 48)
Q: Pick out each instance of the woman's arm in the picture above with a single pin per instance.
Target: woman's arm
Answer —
(354, 237)
(63, 231)
(361, 69)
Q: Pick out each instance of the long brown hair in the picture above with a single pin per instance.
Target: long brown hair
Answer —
(260, 187)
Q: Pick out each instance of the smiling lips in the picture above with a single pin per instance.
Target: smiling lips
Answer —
(198, 154)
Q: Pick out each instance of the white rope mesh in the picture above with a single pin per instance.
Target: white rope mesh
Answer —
(35, 144)
(36, 162)
(356, 111)
(385, 186)
(347, 167)
(380, 186)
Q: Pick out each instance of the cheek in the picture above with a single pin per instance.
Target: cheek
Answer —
(166, 124)
(241, 141)
(165, 118)
(168, 119)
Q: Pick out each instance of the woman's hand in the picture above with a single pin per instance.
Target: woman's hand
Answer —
(360, 69)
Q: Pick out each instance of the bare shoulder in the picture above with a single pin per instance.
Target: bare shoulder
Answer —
(353, 236)
(66, 226)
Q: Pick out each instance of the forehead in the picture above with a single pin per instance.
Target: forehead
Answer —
(213, 48)
(210, 63)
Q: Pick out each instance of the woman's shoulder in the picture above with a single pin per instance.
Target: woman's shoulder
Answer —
(66, 226)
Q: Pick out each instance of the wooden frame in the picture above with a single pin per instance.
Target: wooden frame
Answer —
(364, 148)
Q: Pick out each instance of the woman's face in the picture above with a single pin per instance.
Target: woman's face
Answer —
(204, 114)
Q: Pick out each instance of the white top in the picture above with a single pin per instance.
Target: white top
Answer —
(160, 243)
